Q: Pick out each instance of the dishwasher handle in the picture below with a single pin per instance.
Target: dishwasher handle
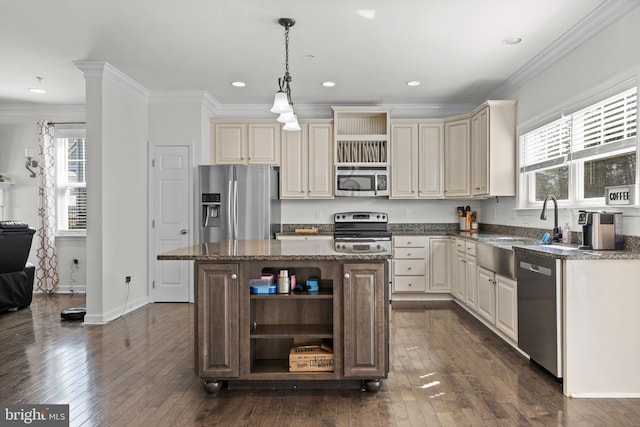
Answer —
(535, 268)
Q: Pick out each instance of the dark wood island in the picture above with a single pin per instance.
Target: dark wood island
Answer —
(244, 339)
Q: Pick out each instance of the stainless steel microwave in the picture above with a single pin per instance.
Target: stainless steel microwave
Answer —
(362, 181)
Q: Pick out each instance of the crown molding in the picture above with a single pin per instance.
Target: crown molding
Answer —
(600, 18)
(187, 96)
(106, 71)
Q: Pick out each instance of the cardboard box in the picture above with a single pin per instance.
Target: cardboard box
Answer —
(311, 357)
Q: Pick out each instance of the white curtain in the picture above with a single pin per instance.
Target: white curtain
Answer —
(47, 279)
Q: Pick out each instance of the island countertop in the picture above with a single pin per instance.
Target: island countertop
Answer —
(249, 250)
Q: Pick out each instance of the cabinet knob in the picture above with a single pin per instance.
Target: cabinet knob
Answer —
(183, 231)
(408, 268)
(234, 276)
(347, 276)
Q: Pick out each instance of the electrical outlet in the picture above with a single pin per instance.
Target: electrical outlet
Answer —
(127, 279)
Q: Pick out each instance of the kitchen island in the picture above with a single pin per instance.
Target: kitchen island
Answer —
(244, 339)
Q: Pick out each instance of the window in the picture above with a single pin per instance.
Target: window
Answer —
(576, 157)
(71, 181)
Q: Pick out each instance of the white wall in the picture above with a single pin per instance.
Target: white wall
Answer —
(607, 59)
(117, 118)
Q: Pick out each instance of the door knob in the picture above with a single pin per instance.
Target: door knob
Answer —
(183, 231)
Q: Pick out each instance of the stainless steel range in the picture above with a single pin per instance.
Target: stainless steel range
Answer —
(361, 232)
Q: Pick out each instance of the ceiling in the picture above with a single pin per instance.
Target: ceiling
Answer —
(369, 48)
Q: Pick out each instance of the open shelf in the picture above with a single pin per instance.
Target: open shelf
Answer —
(322, 294)
(296, 331)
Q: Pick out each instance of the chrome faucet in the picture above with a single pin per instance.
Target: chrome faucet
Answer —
(557, 231)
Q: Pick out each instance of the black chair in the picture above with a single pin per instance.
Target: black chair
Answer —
(16, 274)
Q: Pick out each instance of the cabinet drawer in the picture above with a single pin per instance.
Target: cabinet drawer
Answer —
(409, 284)
(411, 253)
(470, 248)
(402, 267)
(460, 245)
(410, 241)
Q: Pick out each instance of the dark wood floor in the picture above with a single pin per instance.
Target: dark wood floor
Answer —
(446, 369)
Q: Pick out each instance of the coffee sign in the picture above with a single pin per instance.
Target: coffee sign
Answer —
(623, 195)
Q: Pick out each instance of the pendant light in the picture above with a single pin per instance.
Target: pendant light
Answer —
(282, 104)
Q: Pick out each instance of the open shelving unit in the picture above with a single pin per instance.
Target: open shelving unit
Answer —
(276, 320)
(361, 135)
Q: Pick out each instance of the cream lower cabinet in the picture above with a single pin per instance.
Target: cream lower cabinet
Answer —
(497, 302)
(487, 294)
(306, 167)
(410, 264)
(439, 264)
(507, 306)
(465, 287)
(247, 143)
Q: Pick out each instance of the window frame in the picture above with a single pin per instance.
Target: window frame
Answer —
(61, 184)
(575, 161)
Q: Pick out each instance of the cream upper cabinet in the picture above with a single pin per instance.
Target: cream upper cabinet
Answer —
(479, 152)
(493, 148)
(404, 160)
(306, 169)
(293, 164)
(246, 142)
(416, 159)
(430, 159)
(457, 158)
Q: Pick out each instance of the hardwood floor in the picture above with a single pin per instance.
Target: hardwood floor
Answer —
(446, 370)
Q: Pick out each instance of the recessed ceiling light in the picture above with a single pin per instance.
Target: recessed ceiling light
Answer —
(413, 83)
(328, 84)
(238, 84)
(39, 88)
(512, 40)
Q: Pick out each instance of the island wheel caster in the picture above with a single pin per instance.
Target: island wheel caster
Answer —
(211, 386)
(371, 386)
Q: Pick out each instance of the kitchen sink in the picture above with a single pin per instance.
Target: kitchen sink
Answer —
(496, 254)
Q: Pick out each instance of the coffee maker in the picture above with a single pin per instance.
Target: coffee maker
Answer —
(601, 230)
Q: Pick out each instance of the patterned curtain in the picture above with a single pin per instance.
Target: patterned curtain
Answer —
(47, 269)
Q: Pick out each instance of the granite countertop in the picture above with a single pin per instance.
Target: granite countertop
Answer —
(250, 250)
(554, 250)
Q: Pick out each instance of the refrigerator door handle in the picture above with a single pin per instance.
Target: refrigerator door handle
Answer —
(229, 211)
(235, 209)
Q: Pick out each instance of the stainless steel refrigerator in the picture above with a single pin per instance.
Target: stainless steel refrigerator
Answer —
(238, 202)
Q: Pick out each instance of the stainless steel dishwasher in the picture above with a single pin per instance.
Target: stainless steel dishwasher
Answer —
(540, 310)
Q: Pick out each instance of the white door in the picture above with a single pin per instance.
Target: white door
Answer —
(170, 217)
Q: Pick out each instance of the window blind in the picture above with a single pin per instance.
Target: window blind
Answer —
(607, 126)
(546, 146)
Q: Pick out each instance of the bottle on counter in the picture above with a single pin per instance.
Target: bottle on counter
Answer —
(566, 233)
